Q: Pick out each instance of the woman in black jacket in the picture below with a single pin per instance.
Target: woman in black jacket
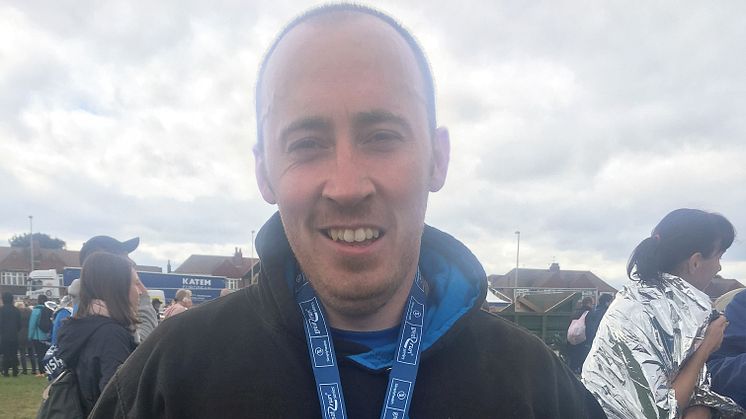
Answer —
(99, 336)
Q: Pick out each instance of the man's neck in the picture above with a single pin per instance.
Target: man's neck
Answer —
(385, 317)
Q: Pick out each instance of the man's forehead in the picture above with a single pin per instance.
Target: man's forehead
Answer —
(334, 47)
(355, 27)
(336, 37)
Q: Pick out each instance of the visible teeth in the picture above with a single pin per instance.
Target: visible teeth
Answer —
(353, 236)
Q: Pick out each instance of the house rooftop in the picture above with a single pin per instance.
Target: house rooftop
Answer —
(235, 266)
(554, 277)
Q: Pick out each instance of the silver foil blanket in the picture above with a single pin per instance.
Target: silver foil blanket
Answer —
(641, 343)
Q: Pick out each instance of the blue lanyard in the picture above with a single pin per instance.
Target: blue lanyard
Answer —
(323, 360)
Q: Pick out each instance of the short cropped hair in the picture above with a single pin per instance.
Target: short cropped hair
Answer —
(181, 294)
(328, 9)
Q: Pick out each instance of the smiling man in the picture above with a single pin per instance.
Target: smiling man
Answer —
(361, 310)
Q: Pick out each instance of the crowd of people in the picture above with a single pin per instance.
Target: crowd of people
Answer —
(25, 331)
(362, 310)
(92, 330)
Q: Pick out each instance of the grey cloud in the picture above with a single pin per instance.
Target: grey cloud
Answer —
(563, 117)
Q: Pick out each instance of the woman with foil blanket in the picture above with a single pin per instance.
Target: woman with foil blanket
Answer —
(648, 358)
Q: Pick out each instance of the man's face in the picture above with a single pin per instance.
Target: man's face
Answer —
(349, 158)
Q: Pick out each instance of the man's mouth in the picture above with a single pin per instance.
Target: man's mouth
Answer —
(352, 236)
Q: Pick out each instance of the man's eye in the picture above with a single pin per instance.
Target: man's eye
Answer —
(384, 136)
(305, 144)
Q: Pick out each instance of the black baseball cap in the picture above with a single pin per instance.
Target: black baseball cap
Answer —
(107, 244)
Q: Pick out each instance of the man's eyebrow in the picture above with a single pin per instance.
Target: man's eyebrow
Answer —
(306, 123)
(377, 116)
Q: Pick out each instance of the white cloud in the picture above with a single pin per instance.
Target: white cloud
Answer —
(579, 124)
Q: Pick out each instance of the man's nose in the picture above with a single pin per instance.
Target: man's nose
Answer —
(349, 183)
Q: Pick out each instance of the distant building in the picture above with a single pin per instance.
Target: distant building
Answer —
(495, 301)
(544, 300)
(15, 265)
(239, 270)
(551, 278)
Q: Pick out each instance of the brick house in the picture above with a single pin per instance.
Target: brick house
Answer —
(240, 271)
(15, 265)
(554, 277)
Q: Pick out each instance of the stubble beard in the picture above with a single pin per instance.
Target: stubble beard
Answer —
(358, 289)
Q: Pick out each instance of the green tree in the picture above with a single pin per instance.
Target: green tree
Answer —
(40, 239)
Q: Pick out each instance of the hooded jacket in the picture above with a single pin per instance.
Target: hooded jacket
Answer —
(34, 332)
(94, 347)
(245, 354)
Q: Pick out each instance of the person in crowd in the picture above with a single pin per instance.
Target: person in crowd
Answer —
(361, 310)
(64, 311)
(73, 290)
(10, 325)
(39, 327)
(728, 364)
(157, 303)
(182, 302)
(99, 337)
(147, 318)
(25, 348)
(648, 358)
(593, 319)
(576, 353)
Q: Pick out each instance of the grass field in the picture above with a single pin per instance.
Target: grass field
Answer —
(20, 397)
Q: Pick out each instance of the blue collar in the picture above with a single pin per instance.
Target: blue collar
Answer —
(454, 287)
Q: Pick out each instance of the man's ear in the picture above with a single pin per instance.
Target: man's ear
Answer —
(441, 157)
(262, 180)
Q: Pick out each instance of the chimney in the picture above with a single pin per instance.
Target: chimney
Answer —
(238, 257)
(554, 267)
(168, 266)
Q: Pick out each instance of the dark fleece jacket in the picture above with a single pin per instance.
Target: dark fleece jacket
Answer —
(94, 346)
(245, 355)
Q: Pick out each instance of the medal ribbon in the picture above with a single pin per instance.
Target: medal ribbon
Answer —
(324, 362)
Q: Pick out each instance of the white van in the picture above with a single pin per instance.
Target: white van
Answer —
(45, 281)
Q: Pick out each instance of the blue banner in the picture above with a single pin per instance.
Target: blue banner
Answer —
(203, 287)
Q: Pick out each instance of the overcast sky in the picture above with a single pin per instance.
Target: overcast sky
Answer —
(581, 124)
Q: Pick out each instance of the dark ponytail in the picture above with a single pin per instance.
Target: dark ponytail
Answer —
(679, 235)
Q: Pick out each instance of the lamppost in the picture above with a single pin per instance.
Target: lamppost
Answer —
(517, 256)
(31, 250)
